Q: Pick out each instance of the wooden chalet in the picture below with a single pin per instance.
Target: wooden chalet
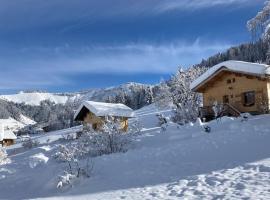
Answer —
(7, 138)
(236, 86)
(95, 113)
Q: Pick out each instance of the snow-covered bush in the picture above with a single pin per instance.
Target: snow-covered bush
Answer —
(263, 104)
(217, 108)
(110, 139)
(65, 180)
(69, 136)
(3, 156)
(30, 143)
(135, 127)
(162, 121)
(73, 156)
(78, 153)
(77, 169)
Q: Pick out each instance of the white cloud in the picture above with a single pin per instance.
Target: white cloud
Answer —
(20, 15)
(50, 66)
(198, 4)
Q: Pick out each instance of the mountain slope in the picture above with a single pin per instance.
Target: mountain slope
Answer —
(34, 98)
(15, 125)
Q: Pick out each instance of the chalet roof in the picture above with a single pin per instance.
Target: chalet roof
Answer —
(7, 134)
(234, 66)
(105, 109)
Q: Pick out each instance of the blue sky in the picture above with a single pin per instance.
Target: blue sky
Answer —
(70, 45)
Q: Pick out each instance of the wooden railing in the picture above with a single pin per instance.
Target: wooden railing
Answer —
(208, 113)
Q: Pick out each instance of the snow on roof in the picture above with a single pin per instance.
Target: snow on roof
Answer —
(7, 134)
(106, 109)
(232, 65)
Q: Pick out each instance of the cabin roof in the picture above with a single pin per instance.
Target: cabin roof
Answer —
(234, 66)
(104, 109)
(7, 135)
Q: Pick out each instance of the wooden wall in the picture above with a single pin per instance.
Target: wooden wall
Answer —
(7, 142)
(218, 87)
(98, 122)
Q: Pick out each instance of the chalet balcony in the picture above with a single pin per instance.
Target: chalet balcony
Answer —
(207, 113)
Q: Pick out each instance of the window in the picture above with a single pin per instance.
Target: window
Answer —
(229, 81)
(249, 98)
(94, 126)
(225, 99)
(233, 80)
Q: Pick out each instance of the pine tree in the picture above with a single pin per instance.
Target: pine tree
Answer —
(259, 26)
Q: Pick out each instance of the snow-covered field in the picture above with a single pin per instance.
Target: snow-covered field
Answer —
(15, 125)
(230, 162)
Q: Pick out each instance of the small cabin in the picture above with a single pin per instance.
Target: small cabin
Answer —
(95, 113)
(7, 138)
(236, 86)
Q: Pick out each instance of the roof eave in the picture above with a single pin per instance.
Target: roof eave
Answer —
(197, 87)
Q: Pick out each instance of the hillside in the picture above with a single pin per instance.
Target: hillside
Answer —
(231, 162)
(134, 94)
(15, 125)
(250, 52)
(34, 98)
(58, 108)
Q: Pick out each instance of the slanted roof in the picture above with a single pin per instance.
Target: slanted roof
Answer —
(255, 69)
(7, 135)
(104, 109)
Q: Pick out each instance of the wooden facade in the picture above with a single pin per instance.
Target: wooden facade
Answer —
(7, 142)
(98, 113)
(243, 92)
(98, 122)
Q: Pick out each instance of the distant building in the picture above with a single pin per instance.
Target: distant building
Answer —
(95, 113)
(7, 137)
(235, 85)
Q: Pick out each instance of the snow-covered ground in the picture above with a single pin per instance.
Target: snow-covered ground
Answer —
(15, 125)
(230, 162)
(34, 98)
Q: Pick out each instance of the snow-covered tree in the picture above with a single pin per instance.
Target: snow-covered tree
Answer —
(164, 95)
(3, 156)
(259, 26)
(186, 101)
(177, 93)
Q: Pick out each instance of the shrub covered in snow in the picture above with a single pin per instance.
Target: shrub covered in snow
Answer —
(77, 153)
(110, 139)
(3, 156)
(65, 180)
(135, 128)
(75, 170)
(163, 121)
(77, 165)
(30, 143)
